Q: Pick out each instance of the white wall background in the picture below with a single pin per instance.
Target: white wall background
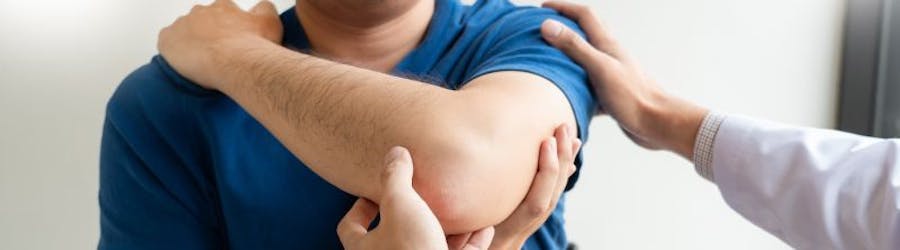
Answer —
(61, 59)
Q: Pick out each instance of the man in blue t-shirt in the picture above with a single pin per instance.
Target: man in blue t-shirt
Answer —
(259, 132)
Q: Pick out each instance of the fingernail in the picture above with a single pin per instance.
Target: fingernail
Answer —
(553, 144)
(556, 28)
(393, 155)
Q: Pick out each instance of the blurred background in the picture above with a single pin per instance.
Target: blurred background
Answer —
(60, 61)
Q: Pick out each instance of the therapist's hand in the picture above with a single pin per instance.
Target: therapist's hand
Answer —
(555, 165)
(406, 221)
(651, 117)
(198, 44)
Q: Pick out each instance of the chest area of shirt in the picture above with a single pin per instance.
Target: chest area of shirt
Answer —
(267, 197)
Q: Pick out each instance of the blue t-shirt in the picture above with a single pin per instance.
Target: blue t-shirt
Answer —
(186, 168)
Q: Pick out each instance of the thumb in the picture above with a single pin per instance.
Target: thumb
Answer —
(398, 171)
(570, 42)
(264, 8)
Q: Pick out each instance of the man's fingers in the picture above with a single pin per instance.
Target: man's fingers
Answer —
(596, 32)
(565, 39)
(480, 240)
(354, 226)
(264, 8)
(194, 9)
(228, 3)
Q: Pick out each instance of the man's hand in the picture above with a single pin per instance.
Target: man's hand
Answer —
(556, 164)
(191, 44)
(647, 114)
(406, 221)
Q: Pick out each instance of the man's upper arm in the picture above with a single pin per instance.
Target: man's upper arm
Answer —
(515, 96)
(514, 45)
(149, 197)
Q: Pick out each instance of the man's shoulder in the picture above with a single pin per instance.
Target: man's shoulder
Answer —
(154, 85)
(502, 28)
(502, 15)
(154, 93)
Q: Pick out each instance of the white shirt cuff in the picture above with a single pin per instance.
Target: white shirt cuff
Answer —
(703, 145)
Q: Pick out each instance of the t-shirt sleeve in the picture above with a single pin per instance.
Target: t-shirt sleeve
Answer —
(149, 197)
(514, 43)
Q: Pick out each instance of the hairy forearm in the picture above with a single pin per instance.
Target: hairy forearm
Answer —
(338, 119)
(471, 147)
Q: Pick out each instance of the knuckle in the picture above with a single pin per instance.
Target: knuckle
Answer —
(565, 159)
(163, 35)
(389, 171)
(342, 228)
(552, 168)
(571, 40)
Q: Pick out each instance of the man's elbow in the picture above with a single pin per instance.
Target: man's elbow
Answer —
(466, 182)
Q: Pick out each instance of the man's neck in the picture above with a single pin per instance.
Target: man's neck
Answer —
(365, 38)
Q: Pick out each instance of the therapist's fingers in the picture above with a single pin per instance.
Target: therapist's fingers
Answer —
(576, 146)
(597, 34)
(566, 165)
(480, 240)
(458, 241)
(354, 226)
(564, 38)
(397, 176)
(547, 186)
(541, 192)
(566, 139)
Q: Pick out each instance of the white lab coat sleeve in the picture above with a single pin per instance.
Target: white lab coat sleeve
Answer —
(812, 188)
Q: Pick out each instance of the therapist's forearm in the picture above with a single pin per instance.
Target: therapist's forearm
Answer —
(671, 122)
(650, 116)
(812, 188)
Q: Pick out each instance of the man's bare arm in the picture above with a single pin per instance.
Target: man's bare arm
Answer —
(340, 119)
(475, 150)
